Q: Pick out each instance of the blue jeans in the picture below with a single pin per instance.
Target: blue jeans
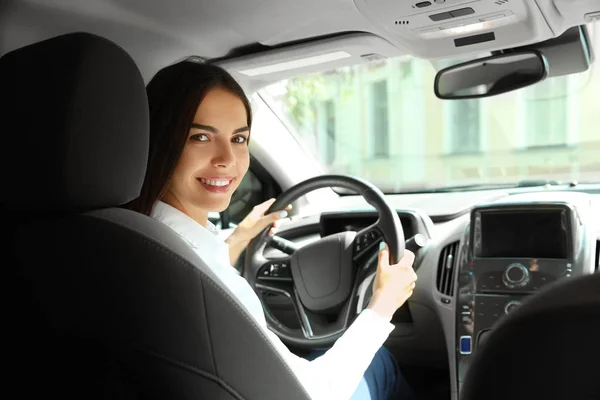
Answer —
(382, 379)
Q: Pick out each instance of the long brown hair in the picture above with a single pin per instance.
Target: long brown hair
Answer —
(174, 95)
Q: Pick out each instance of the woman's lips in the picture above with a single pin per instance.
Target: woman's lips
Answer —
(215, 184)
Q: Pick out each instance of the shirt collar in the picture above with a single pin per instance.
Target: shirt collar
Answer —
(198, 236)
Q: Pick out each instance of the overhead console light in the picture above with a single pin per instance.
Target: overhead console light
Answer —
(469, 26)
(299, 63)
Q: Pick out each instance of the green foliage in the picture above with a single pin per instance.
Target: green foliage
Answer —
(302, 95)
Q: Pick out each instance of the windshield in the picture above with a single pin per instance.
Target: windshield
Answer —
(381, 121)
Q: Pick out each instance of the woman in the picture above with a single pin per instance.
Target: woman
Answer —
(200, 122)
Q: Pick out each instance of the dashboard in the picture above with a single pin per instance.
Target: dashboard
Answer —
(511, 249)
(483, 258)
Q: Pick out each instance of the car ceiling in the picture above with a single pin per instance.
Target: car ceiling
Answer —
(158, 32)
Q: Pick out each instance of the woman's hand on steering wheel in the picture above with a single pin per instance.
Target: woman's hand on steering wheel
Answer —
(394, 284)
(252, 225)
(256, 221)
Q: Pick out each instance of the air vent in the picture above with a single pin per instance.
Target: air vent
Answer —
(446, 268)
(402, 22)
(501, 2)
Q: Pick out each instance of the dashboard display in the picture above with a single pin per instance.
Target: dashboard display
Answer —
(522, 234)
(335, 223)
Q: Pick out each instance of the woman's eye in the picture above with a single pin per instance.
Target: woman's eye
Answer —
(239, 139)
(200, 137)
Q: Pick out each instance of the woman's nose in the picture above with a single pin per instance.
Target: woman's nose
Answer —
(224, 156)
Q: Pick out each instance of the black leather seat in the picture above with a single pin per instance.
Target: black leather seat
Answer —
(547, 349)
(102, 302)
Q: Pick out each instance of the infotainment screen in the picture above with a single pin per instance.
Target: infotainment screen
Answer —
(523, 234)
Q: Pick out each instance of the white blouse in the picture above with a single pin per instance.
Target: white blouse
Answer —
(333, 376)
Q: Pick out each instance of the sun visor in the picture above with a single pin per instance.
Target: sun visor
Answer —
(258, 70)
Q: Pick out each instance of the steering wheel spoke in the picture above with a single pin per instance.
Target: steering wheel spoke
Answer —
(307, 329)
(285, 287)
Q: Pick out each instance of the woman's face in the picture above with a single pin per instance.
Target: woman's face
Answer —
(215, 157)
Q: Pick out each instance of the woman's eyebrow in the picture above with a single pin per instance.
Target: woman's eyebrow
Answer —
(242, 129)
(205, 127)
(215, 130)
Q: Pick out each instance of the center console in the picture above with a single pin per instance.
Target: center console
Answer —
(507, 253)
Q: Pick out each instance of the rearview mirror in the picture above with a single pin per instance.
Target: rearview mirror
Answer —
(491, 76)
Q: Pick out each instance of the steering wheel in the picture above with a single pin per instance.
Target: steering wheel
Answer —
(323, 279)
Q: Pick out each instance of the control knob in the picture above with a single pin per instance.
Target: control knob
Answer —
(515, 276)
(511, 305)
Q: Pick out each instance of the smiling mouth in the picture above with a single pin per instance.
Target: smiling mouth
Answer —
(216, 182)
(216, 185)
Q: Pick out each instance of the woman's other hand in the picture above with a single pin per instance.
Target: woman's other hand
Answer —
(393, 284)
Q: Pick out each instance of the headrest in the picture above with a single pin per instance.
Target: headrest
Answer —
(75, 126)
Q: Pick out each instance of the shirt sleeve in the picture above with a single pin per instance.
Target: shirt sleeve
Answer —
(336, 374)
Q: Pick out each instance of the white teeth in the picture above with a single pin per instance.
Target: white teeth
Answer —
(214, 182)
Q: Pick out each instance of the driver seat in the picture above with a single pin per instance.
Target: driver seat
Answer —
(103, 302)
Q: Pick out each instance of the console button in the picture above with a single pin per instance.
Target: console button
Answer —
(465, 345)
(568, 271)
